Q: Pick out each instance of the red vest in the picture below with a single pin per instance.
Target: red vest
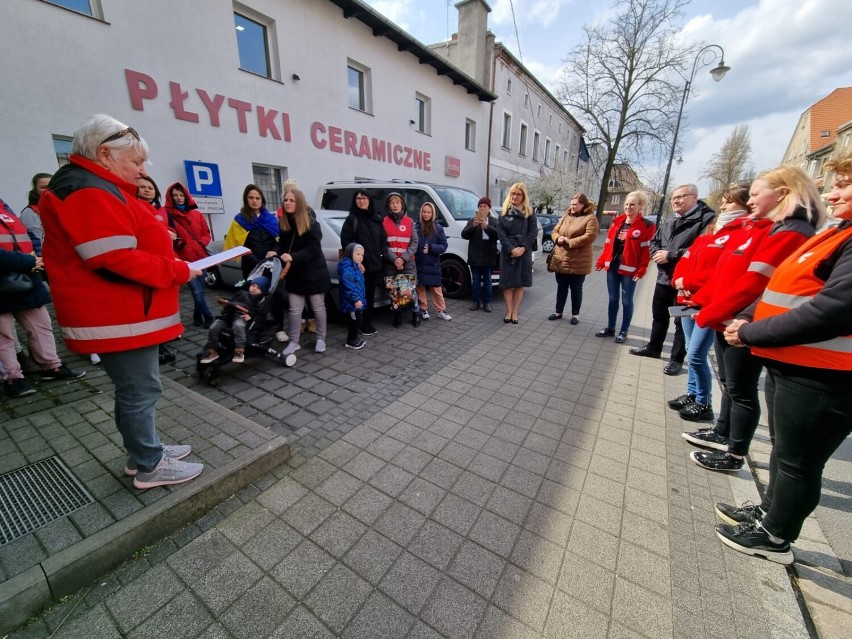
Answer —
(18, 231)
(794, 284)
(399, 236)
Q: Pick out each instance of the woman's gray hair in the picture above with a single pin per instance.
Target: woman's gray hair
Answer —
(92, 133)
(642, 196)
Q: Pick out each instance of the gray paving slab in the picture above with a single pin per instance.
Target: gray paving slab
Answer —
(517, 481)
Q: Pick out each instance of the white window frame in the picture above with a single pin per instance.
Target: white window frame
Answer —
(523, 139)
(509, 86)
(546, 151)
(506, 136)
(615, 199)
(96, 10)
(422, 113)
(469, 134)
(63, 141)
(365, 88)
(272, 57)
(536, 154)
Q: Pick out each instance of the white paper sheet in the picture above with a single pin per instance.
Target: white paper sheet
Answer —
(218, 258)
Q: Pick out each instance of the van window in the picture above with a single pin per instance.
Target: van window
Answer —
(460, 203)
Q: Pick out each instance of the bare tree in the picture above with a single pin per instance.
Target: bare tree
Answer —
(553, 190)
(623, 81)
(731, 164)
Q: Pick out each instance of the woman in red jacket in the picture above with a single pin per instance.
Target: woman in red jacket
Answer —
(786, 208)
(193, 236)
(625, 258)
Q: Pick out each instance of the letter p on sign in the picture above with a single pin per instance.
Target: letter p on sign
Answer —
(202, 178)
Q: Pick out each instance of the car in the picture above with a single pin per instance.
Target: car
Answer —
(548, 222)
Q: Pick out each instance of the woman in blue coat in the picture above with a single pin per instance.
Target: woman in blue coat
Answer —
(431, 243)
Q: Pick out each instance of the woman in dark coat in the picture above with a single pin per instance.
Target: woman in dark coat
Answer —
(363, 226)
(516, 229)
(431, 243)
(481, 234)
(300, 245)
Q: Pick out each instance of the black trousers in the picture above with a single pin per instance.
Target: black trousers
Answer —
(564, 282)
(665, 295)
(739, 375)
(808, 420)
(370, 282)
(353, 325)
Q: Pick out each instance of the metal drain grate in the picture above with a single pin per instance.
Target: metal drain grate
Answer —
(35, 495)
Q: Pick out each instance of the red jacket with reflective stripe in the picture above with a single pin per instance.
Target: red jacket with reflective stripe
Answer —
(113, 274)
(636, 254)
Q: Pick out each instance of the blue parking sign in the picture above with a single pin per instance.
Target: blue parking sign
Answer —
(202, 178)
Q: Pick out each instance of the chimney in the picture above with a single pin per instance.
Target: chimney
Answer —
(472, 53)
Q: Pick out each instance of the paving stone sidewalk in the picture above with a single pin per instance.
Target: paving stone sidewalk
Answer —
(512, 481)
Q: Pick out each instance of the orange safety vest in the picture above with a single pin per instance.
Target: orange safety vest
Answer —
(794, 284)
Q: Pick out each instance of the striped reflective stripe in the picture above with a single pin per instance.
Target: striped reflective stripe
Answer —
(835, 345)
(10, 239)
(88, 250)
(785, 300)
(627, 268)
(399, 238)
(762, 267)
(648, 243)
(119, 331)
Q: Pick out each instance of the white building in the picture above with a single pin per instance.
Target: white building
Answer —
(258, 91)
(531, 134)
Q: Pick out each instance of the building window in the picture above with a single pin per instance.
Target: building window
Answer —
(422, 113)
(556, 155)
(507, 131)
(537, 147)
(360, 92)
(253, 45)
(62, 148)
(269, 179)
(522, 145)
(470, 135)
(559, 127)
(550, 120)
(527, 100)
(565, 157)
(615, 199)
(509, 86)
(538, 113)
(86, 7)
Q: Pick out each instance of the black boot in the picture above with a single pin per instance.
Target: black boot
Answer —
(397, 319)
(416, 319)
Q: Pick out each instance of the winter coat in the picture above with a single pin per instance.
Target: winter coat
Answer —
(351, 286)
(429, 264)
(676, 234)
(365, 228)
(515, 230)
(308, 273)
(481, 251)
(23, 261)
(193, 234)
(113, 273)
(576, 255)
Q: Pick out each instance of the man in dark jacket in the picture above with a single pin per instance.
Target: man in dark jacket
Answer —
(675, 234)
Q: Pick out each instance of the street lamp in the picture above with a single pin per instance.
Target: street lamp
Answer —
(718, 72)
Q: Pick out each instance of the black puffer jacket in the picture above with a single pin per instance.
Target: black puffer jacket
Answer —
(676, 234)
(365, 228)
(308, 273)
(481, 251)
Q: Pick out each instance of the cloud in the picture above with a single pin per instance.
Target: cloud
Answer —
(397, 11)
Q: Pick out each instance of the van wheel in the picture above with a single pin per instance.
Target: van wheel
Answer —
(455, 278)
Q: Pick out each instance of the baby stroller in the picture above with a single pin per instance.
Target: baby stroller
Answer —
(260, 333)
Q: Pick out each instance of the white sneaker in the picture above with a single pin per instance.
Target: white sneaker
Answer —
(239, 357)
(211, 357)
(95, 358)
(424, 315)
(444, 315)
(291, 348)
(282, 336)
(168, 472)
(320, 347)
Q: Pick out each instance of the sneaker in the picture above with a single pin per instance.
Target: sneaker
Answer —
(320, 346)
(605, 332)
(357, 344)
(282, 336)
(424, 315)
(18, 387)
(682, 401)
(239, 356)
(444, 315)
(697, 413)
(368, 330)
(211, 357)
(291, 348)
(621, 338)
(178, 451)
(751, 539)
(63, 372)
(167, 473)
(95, 359)
(707, 438)
(748, 513)
(714, 460)
(311, 326)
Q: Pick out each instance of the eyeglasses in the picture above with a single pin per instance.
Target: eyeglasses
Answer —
(681, 197)
(120, 134)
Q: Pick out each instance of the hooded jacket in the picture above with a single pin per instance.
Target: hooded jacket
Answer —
(193, 234)
(402, 239)
(351, 282)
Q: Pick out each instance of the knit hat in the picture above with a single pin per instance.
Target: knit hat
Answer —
(484, 200)
(262, 282)
(350, 249)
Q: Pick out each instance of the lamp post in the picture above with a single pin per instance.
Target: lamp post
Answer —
(702, 59)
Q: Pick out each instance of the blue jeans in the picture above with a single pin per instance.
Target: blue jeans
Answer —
(625, 286)
(136, 377)
(699, 380)
(480, 283)
(196, 287)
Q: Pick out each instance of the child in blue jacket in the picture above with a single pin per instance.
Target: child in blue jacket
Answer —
(353, 298)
